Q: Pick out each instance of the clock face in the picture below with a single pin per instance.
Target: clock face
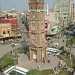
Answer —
(33, 16)
(42, 15)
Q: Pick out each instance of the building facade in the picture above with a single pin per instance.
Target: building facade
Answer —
(37, 40)
(5, 30)
(64, 10)
(53, 23)
(6, 33)
(10, 18)
(72, 11)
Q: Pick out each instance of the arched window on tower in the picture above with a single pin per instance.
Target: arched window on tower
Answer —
(36, 7)
(37, 0)
(46, 25)
(4, 32)
(31, 7)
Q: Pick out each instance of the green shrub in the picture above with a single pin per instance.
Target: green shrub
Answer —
(26, 49)
(69, 61)
(34, 72)
(62, 48)
(64, 72)
(23, 50)
(43, 72)
(6, 61)
(20, 50)
(47, 72)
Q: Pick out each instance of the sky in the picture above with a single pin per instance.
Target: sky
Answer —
(19, 5)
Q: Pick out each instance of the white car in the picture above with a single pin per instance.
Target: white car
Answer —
(55, 45)
(14, 44)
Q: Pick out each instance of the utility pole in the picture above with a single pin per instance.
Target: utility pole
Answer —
(14, 53)
(71, 57)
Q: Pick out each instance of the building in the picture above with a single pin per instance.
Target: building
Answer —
(72, 11)
(9, 18)
(17, 69)
(5, 31)
(64, 10)
(53, 23)
(37, 40)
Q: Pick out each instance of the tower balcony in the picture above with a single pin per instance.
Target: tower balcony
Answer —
(36, 31)
(35, 45)
(33, 31)
(36, 10)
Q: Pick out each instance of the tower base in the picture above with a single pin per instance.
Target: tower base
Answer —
(38, 54)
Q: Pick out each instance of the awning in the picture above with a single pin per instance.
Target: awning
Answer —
(54, 27)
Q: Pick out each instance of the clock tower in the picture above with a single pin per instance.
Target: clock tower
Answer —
(37, 42)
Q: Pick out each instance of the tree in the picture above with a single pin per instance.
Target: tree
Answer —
(74, 40)
(70, 41)
(1, 69)
(26, 23)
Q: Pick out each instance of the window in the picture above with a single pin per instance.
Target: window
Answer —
(33, 36)
(64, 17)
(42, 25)
(46, 25)
(31, 7)
(4, 32)
(36, 7)
(33, 27)
(37, 0)
(8, 32)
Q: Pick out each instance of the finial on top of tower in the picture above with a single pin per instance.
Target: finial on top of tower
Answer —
(47, 9)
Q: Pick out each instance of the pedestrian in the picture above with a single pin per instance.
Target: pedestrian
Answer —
(49, 61)
(63, 40)
(39, 66)
(58, 37)
(54, 68)
(36, 60)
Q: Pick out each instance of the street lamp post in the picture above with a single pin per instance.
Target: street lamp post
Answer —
(15, 64)
(63, 28)
(14, 53)
(70, 57)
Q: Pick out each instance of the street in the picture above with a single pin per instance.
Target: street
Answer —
(5, 48)
(61, 42)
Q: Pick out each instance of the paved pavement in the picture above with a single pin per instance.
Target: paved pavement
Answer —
(26, 63)
(22, 29)
(6, 48)
(61, 43)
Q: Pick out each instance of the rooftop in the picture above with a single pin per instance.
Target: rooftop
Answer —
(5, 24)
(16, 69)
